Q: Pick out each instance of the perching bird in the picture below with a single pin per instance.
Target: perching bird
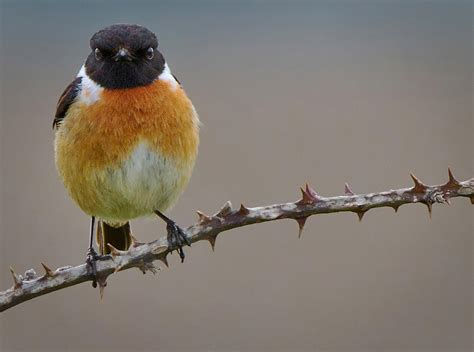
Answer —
(126, 137)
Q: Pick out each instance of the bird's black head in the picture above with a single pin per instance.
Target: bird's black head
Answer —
(124, 56)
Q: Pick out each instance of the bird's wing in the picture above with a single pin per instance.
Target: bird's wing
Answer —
(65, 100)
(177, 80)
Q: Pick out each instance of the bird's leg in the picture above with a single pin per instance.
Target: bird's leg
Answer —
(176, 236)
(92, 255)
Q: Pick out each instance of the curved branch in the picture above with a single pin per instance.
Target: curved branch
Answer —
(142, 255)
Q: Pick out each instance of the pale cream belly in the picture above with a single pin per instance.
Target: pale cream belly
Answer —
(144, 182)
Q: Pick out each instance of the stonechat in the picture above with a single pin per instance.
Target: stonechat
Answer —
(126, 137)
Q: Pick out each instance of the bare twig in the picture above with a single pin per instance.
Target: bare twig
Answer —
(142, 255)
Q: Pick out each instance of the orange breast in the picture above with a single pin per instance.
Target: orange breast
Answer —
(105, 132)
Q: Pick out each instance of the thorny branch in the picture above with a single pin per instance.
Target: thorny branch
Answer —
(142, 255)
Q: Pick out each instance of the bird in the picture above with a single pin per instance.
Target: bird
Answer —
(126, 138)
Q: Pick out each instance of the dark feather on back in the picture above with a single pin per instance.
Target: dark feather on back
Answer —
(65, 100)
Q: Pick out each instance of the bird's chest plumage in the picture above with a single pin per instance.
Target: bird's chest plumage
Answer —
(123, 153)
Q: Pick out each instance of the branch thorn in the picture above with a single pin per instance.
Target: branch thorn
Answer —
(243, 210)
(16, 279)
(348, 190)
(225, 210)
(309, 196)
(301, 222)
(102, 285)
(164, 259)
(361, 214)
(48, 271)
(419, 186)
(212, 241)
(118, 268)
(114, 252)
(452, 182)
(203, 218)
(430, 208)
(312, 192)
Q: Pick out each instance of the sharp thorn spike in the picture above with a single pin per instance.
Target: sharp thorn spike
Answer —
(452, 182)
(203, 218)
(301, 222)
(305, 199)
(48, 271)
(348, 190)
(244, 210)
(102, 285)
(312, 193)
(430, 208)
(114, 252)
(118, 268)
(309, 196)
(225, 210)
(419, 186)
(452, 179)
(395, 207)
(413, 177)
(142, 267)
(360, 215)
(164, 259)
(212, 241)
(16, 279)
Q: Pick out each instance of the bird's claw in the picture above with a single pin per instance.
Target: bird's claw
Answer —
(91, 260)
(177, 239)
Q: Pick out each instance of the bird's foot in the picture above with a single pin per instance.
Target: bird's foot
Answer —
(177, 238)
(91, 260)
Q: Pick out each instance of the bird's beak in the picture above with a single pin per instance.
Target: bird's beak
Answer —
(123, 55)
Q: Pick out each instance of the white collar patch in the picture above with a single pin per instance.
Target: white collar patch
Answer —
(90, 91)
(167, 76)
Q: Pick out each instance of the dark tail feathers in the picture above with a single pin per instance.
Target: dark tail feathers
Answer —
(119, 237)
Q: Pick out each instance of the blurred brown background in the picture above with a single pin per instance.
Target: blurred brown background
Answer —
(324, 92)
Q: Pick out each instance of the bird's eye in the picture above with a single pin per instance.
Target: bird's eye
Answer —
(150, 53)
(98, 54)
